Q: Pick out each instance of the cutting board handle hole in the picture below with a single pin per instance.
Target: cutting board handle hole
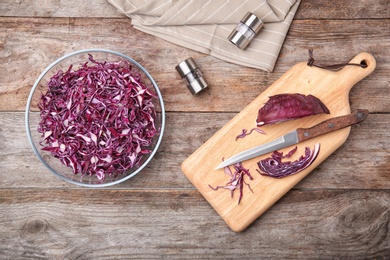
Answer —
(363, 64)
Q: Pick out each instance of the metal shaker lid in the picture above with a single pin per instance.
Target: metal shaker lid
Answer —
(252, 22)
(186, 67)
(245, 30)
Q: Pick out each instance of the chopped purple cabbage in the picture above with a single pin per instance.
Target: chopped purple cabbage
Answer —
(274, 167)
(236, 180)
(98, 120)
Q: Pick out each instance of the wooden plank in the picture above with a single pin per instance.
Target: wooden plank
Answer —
(106, 224)
(162, 172)
(29, 45)
(308, 9)
(344, 9)
(361, 163)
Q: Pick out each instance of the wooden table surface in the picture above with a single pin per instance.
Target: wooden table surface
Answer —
(340, 210)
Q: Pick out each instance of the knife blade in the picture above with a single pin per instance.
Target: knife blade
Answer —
(299, 135)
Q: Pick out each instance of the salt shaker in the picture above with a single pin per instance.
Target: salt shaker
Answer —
(245, 30)
(192, 75)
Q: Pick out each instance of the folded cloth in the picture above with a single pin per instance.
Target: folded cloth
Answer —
(204, 25)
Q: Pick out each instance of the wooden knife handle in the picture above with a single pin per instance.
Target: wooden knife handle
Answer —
(332, 124)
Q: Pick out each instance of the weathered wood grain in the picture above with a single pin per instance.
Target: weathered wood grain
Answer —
(179, 224)
(344, 9)
(363, 162)
(339, 211)
(308, 9)
(28, 45)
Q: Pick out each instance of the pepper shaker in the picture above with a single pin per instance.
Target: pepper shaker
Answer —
(189, 71)
(245, 30)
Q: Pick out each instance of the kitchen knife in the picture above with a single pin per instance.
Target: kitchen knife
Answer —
(298, 135)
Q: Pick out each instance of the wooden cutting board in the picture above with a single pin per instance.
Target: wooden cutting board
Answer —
(333, 90)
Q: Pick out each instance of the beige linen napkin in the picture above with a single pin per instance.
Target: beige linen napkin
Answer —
(204, 25)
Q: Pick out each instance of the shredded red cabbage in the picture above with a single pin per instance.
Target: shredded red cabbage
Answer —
(285, 107)
(274, 167)
(98, 120)
(245, 132)
(236, 180)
